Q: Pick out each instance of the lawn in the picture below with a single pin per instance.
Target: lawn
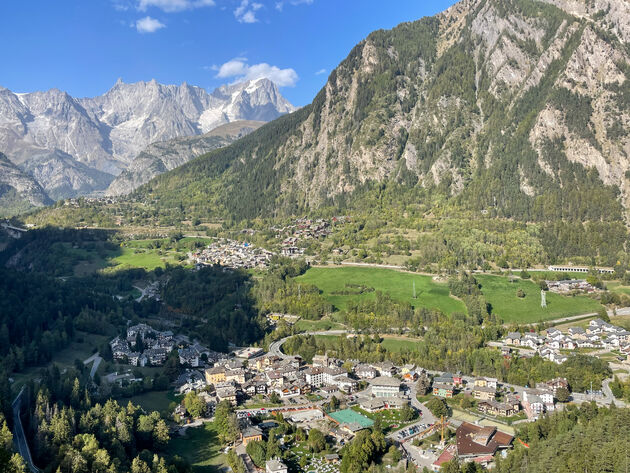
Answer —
(388, 418)
(399, 344)
(152, 401)
(618, 288)
(147, 259)
(501, 294)
(201, 448)
(399, 285)
(304, 325)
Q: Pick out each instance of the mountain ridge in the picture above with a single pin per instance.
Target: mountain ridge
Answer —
(99, 137)
(19, 192)
(164, 156)
(502, 105)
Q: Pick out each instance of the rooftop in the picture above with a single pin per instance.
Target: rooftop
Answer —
(348, 416)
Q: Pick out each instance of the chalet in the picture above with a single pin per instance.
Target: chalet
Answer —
(320, 360)
(275, 466)
(226, 392)
(372, 405)
(386, 368)
(513, 338)
(345, 384)
(495, 408)
(288, 391)
(237, 375)
(365, 371)
(484, 393)
(458, 379)
(275, 379)
(250, 433)
(486, 382)
(445, 378)
(443, 390)
(577, 333)
(188, 356)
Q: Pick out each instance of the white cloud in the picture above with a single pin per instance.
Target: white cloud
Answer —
(246, 11)
(239, 70)
(170, 6)
(280, 4)
(149, 25)
(320, 72)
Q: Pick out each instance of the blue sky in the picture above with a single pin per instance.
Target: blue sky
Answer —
(84, 46)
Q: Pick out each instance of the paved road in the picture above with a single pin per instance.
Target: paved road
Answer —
(147, 291)
(18, 434)
(95, 359)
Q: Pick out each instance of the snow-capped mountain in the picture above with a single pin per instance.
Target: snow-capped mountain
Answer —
(94, 139)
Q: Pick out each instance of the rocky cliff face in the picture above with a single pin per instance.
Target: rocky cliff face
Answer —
(18, 191)
(164, 156)
(506, 103)
(75, 146)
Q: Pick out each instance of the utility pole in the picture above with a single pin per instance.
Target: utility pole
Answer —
(414, 289)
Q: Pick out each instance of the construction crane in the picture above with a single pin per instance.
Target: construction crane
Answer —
(442, 424)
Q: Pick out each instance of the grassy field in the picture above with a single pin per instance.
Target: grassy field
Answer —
(152, 401)
(498, 291)
(501, 293)
(618, 287)
(147, 259)
(317, 325)
(397, 284)
(201, 448)
(389, 343)
(398, 344)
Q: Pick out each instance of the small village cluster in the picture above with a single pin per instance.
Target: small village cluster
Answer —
(535, 401)
(569, 286)
(598, 334)
(232, 254)
(145, 346)
(303, 229)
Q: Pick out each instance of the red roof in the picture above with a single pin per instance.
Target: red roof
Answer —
(475, 440)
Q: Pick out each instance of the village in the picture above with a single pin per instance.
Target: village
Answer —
(598, 334)
(302, 230)
(232, 254)
(344, 397)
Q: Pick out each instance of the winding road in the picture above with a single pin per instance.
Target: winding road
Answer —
(19, 437)
(95, 359)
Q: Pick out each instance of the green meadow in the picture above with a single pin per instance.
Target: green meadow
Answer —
(501, 294)
(499, 291)
(399, 285)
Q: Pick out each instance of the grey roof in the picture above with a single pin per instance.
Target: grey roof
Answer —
(385, 381)
(275, 465)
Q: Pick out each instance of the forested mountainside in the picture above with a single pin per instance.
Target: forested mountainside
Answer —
(515, 108)
(166, 155)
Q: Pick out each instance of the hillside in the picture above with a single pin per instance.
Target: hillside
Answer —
(18, 191)
(164, 156)
(513, 108)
